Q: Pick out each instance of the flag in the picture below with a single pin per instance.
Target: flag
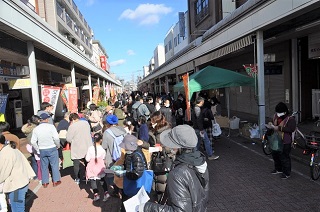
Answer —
(185, 79)
(251, 69)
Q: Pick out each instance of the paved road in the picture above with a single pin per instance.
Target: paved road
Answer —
(240, 180)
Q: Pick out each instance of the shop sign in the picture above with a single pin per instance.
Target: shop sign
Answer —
(314, 46)
(103, 62)
(19, 83)
(50, 94)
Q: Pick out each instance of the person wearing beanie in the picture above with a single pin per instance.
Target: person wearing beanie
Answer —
(188, 180)
(285, 125)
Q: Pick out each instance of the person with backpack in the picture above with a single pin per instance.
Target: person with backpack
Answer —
(112, 137)
(188, 182)
(139, 109)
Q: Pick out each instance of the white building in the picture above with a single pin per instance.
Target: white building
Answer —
(159, 56)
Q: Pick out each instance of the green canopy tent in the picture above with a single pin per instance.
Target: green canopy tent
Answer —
(212, 78)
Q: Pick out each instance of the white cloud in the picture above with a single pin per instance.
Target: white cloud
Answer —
(118, 62)
(146, 14)
(90, 2)
(131, 52)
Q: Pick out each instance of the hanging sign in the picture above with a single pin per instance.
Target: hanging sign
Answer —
(251, 69)
(50, 94)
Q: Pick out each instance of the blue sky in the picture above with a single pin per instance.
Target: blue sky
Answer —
(130, 30)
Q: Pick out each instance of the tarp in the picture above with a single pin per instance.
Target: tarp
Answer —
(212, 78)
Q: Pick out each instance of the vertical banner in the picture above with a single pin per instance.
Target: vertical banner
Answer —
(107, 91)
(95, 95)
(73, 99)
(103, 62)
(185, 79)
(3, 103)
(50, 94)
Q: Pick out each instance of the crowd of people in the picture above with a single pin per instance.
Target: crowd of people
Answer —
(118, 138)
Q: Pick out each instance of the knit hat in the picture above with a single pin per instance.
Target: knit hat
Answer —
(181, 136)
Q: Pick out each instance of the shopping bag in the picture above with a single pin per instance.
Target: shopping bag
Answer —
(254, 131)
(131, 187)
(275, 141)
(216, 130)
(66, 153)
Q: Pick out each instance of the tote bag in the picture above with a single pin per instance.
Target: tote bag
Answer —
(131, 187)
(66, 153)
(276, 143)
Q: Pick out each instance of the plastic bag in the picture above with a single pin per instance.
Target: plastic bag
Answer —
(254, 131)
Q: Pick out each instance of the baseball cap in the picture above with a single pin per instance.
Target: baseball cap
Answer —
(44, 116)
(181, 136)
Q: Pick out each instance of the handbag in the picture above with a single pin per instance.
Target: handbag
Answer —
(216, 130)
(63, 134)
(275, 140)
(66, 153)
(97, 128)
(131, 187)
(161, 162)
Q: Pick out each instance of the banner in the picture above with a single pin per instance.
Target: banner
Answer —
(95, 95)
(103, 62)
(251, 69)
(73, 99)
(50, 94)
(3, 102)
(108, 91)
(185, 79)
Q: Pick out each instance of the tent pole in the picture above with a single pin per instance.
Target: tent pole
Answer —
(261, 96)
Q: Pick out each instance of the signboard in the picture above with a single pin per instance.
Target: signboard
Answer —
(73, 99)
(19, 83)
(185, 78)
(3, 103)
(103, 62)
(314, 45)
(182, 27)
(50, 94)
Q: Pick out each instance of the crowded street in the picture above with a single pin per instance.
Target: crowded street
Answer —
(240, 180)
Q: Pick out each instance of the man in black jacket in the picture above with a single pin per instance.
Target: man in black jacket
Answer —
(188, 182)
(198, 120)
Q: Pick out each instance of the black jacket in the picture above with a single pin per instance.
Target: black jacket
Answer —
(138, 164)
(197, 118)
(185, 192)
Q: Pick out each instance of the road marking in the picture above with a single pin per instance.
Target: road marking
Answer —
(270, 159)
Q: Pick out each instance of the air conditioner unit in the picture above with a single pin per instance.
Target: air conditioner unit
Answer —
(67, 79)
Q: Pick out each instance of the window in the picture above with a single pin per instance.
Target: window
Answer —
(201, 10)
(166, 48)
(179, 40)
(170, 45)
(175, 42)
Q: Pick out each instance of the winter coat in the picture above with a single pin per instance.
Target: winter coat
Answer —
(185, 192)
(107, 142)
(139, 164)
(79, 135)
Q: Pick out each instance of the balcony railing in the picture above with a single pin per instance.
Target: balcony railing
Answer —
(69, 21)
(75, 8)
(26, 2)
(85, 23)
(60, 11)
(80, 16)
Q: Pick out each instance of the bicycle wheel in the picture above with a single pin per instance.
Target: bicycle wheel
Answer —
(266, 147)
(315, 166)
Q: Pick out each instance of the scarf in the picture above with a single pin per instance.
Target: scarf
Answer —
(194, 158)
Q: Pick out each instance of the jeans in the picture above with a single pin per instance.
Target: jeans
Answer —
(18, 199)
(206, 140)
(49, 156)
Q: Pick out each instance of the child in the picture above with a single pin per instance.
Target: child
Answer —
(96, 167)
(143, 129)
(127, 125)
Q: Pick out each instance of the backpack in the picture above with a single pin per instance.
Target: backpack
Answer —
(136, 113)
(116, 153)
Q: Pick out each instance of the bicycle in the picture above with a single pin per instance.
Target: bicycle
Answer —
(299, 138)
(313, 145)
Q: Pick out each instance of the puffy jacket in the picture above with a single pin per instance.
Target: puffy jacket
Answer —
(197, 118)
(138, 164)
(185, 192)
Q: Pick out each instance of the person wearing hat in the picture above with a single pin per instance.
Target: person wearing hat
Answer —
(133, 157)
(111, 132)
(188, 181)
(285, 125)
(108, 111)
(45, 140)
(46, 108)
